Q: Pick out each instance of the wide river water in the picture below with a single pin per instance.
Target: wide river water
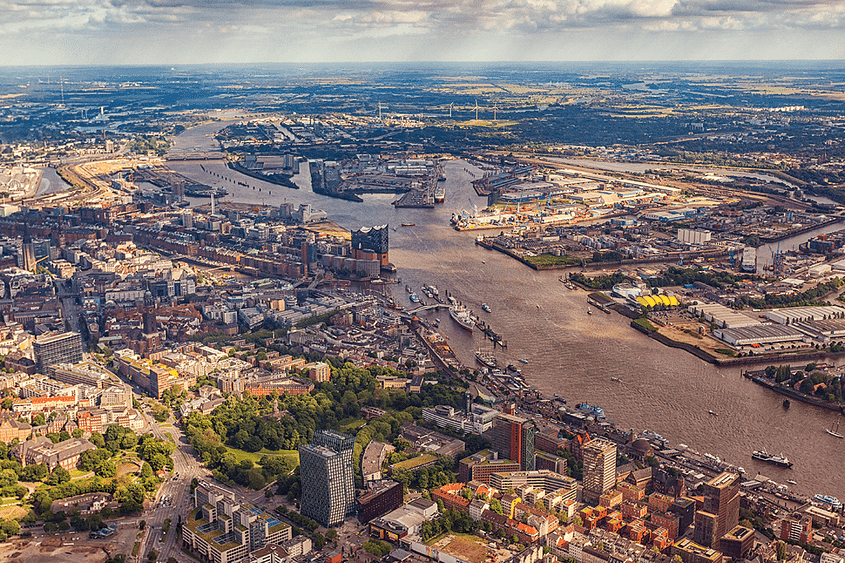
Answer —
(569, 352)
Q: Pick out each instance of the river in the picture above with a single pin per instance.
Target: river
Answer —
(570, 352)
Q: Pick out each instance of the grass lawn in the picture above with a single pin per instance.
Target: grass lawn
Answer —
(355, 424)
(165, 425)
(254, 457)
(467, 547)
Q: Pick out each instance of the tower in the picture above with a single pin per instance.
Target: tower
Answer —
(720, 512)
(599, 468)
(512, 437)
(328, 481)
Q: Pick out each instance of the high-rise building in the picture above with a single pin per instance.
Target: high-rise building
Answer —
(720, 512)
(371, 243)
(599, 468)
(62, 348)
(328, 481)
(512, 437)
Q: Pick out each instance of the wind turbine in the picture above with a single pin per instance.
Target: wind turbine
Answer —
(450, 109)
(476, 110)
(379, 111)
(495, 109)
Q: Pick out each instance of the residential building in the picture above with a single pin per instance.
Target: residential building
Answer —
(11, 429)
(224, 531)
(599, 468)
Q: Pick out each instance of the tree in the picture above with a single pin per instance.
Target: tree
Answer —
(152, 556)
(142, 524)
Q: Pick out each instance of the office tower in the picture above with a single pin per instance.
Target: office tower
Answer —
(328, 482)
(512, 437)
(599, 468)
(28, 254)
(62, 348)
(720, 512)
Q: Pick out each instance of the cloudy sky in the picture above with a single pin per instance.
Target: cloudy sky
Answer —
(228, 31)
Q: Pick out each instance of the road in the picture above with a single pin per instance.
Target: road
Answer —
(174, 496)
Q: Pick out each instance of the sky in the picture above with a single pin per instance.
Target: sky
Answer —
(69, 32)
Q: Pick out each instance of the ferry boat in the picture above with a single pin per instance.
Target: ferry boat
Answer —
(439, 194)
(827, 499)
(461, 316)
(414, 298)
(598, 412)
(780, 460)
(486, 308)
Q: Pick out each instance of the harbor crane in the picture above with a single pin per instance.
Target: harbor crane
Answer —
(474, 209)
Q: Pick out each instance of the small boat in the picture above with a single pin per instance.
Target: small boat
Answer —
(786, 403)
(713, 413)
(791, 482)
(408, 224)
(538, 306)
(414, 298)
(523, 360)
(589, 312)
(486, 308)
(616, 379)
(408, 289)
(483, 262)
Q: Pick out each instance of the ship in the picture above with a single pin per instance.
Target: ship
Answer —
(439, 194)
(486, 360)
(835, 430)
(598, 412)
(780, 460)
(827, 499)
(461, 316)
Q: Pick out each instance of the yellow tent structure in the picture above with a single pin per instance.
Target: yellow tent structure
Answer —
(651, 301)
(664, 299)
(673, 301)
(642, 301)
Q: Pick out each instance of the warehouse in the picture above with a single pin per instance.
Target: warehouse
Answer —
(722, 316)
(759, 334)
(805, 314)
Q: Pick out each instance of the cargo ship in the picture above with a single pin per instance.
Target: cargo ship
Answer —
(780, 460)
(439, 194)
(461, 316)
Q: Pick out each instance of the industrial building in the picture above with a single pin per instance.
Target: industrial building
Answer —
(759, 334)
(805, 314)
(722, 316)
